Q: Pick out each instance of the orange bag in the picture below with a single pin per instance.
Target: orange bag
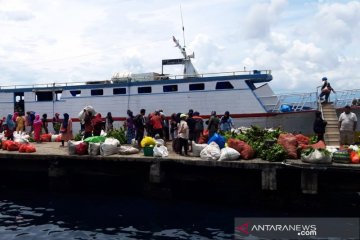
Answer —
(319, 145)
(4, 144)
(301, 139)
(289, 142)
(245, 150)
(354, 157)
(58, 138)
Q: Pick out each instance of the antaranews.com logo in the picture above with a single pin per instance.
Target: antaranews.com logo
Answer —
(297, 228)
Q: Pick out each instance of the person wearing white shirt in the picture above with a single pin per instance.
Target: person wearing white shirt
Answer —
(347, 126)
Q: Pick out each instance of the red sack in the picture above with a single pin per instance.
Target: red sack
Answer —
(5, 144)
(301, 139)
(81, 149)
(204, 137)
(13, 146)
(45, 137)
(58, 138)
(22, 148)
(30, 148)
(354, 157)
(245, 150)
(319, 145)
(289, 142)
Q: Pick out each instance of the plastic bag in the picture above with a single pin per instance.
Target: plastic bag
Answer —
(13, 146)
(220, 140)
(95, 139)
(72, 146)
(228, 153)
(316, 157)
(81, 149)
(45, 137)
(30, 148)
(160, 151)
(127, 150)
(197, 148)
(94, 149)
(22, 148)
(210, 152)
(109, 147)
(245, 150)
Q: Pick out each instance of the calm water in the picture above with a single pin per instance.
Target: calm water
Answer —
(34, 214)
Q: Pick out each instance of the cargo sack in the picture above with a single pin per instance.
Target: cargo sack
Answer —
(53, 137)
(4, 144)
(316, 156)
(210, 152)
(176, 145)
(289, 142)
(301, 139)
(341, 156)
(127, 150)
(95, 139)
(30, 148)
(13, 146)
(81, 149)
(319, 145)
(197, 148)
(147, 141)
(159, 142)
(160, 151)
(109, 147)
(22, 148)
(228, 153)
(220, 140)
(245, 150)
(45, 137)
(72, 146)
(94, 149)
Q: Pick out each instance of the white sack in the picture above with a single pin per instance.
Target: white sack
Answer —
(94, 149)
(127, 150)
(210, 152)
(72, 146)
(161, 151)
(228, 153)
(197, 148)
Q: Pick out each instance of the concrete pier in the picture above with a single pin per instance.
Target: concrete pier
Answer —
(54, 163)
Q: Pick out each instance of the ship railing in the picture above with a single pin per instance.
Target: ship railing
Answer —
(294, 102)
(347, 97)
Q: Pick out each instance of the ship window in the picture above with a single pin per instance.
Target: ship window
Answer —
(75, 93)
(119, 91)
(144, 89)
(196, 86)
(97, 92)
(170, 88)
(43, 96)
(58, 95)
(224, 85)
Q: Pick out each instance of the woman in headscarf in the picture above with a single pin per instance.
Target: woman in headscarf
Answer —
(9, 127)
(16, 114)
(37, 125)
(97, 125)
(109, 122)
(66, 130)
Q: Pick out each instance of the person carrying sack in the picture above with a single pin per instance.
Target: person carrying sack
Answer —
(325, 90)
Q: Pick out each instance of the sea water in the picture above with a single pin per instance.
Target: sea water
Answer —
(38, 214)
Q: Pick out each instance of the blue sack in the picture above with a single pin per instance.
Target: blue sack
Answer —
(220, 140)
(285, 108)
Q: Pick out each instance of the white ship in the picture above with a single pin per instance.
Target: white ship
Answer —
(246, 94)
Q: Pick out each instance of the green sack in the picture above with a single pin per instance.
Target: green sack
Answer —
(341, 156)
(95, 139)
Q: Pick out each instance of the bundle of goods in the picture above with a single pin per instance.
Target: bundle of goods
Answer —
(210, 152)
(220, 140)
(160, 151)
(228, 153)
(245, 150)
(313, 155)
(127, 150)
(46, 137)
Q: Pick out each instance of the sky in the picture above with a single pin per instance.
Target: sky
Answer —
(83, 40)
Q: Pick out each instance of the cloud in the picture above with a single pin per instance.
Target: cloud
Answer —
(261, 17)
(15, 16)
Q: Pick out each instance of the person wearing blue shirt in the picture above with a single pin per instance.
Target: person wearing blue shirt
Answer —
(226, 122)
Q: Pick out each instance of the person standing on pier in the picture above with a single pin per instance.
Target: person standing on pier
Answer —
(9, 127)
(319, 126)
(88, 127)
(56, 123)
(45, 123)
(139, 122)
(66, 130)
(20, 123)
(37, 125)
(183, 134)
(213, 125)
(325, 90)
(109, 122)
(97, 125)
(347, 126)
(129, 125)
(226, 122)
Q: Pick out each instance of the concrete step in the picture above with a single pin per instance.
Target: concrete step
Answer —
(332, 142)
(331, 119)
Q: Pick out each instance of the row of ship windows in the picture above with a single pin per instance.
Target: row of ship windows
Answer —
(50, 96)
(166, 88)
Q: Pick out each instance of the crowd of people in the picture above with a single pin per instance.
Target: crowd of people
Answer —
(183, 126)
